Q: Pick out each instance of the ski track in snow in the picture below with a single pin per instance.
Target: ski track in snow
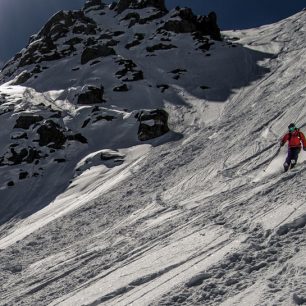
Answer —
(205, 220)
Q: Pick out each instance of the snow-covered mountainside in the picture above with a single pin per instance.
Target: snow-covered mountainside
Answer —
(140, 161)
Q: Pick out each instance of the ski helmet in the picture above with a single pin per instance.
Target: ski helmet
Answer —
(291, 127)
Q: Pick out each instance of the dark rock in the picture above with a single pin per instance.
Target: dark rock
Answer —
(132, 15)
(134, 43)
(50, 134)
(25, 121)
(60, 160)
(78, 137)
(87, 29)
(147, 131)
(73, 41)
(18, 157)
(209, 25)
(90, 42)
(91, 95)
(129, 71)
(37, 69)
(105, 117)
(58, 31)
(33, 155)
(136, 4)
(94, 63)
(85, 123)
(94, 52)
(178, 71)
(118, 33)
(299, 299)
(112, 43)
(41, 50)
(23, 175)
(163, 87)
(22, 78)
(65, 18)
(105, 36)
(93, 5)
(10, 184)
(160, 46)
(110, 156)
(120, 88)
(188, 23)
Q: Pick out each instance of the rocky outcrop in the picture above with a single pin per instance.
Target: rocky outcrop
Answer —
(93, 5)
(25, 121)
(91, 95)
(51, 135)
(94, 52)
(22, 78)
(139, 4)
(129, 73)
(184, 21)
(24, 155)
(152, 124)
(61, 21)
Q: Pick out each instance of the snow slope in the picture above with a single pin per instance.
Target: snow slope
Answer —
(203, 219)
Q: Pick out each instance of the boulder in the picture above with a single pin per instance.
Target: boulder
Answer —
(93, 52)
(152, 124)
(50, 135)
(91, 95)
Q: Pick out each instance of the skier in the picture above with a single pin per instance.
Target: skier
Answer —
(294, 137)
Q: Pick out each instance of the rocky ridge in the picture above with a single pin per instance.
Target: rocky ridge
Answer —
(78, 46)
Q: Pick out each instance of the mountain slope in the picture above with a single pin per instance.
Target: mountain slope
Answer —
(206, 218)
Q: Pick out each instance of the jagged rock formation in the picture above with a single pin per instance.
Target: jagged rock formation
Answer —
(188, 23)
(135, 48)
(139, 4)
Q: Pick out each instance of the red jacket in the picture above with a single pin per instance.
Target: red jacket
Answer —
(294, 139)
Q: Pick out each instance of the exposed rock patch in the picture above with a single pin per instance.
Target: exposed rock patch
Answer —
(152, 124)
(25, 121)
(94, 52)
(91, 95)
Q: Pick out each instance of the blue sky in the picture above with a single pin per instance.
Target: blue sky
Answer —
(21, 18)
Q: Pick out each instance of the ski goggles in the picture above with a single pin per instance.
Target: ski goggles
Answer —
(291, 129)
